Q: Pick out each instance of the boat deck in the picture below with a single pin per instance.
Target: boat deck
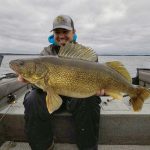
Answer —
(108, 106)
(65, 146)
(119, 124)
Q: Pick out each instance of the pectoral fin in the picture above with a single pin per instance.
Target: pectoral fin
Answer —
(114, 94)
(53, 100)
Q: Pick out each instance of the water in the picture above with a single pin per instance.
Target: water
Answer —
(130, 62)
(5, 63)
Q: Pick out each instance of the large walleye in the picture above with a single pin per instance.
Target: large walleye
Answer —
(75, 73)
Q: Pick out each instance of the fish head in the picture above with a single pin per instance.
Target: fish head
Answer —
(30, 69)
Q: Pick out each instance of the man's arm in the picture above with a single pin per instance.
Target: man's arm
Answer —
(47, 51)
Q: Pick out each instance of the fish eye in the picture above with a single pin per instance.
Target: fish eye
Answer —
(21, 63)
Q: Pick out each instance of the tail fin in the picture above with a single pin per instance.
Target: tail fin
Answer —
(141, 95)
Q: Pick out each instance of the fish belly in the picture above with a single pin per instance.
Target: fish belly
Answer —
(75, 93)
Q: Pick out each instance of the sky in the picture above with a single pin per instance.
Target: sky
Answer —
(107, 26)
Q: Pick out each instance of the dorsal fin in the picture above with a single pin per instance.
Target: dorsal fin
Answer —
(119, 67)
(77, 51)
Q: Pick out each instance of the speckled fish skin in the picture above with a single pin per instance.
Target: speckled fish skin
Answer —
(77, 78)
(68, 77)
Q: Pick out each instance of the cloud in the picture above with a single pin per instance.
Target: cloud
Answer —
(108, 26)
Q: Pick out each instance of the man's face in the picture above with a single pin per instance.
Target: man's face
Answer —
(62, 36)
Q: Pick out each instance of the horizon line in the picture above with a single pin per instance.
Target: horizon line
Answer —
(97, 54)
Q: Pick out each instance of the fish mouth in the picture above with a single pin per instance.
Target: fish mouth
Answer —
(14, 66)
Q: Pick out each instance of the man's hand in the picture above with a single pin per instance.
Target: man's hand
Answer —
(21, 79)
(100, 92)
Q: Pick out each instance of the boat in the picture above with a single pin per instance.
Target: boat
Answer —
(143, 75)
(119, 125)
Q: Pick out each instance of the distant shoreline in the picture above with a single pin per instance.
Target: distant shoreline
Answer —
(98, 54)
(16, 54)
(122, 55)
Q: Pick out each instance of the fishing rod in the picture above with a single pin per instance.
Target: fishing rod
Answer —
(8, 76)
(11, 99)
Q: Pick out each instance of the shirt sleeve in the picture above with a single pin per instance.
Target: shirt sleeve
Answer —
(47, 51)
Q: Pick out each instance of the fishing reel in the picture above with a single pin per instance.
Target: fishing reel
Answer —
(11, 98)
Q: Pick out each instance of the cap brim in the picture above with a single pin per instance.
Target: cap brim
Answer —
(62, 27)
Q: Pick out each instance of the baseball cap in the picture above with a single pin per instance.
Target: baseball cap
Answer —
(64, 22)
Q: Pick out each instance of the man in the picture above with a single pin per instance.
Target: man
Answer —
(86, 113)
